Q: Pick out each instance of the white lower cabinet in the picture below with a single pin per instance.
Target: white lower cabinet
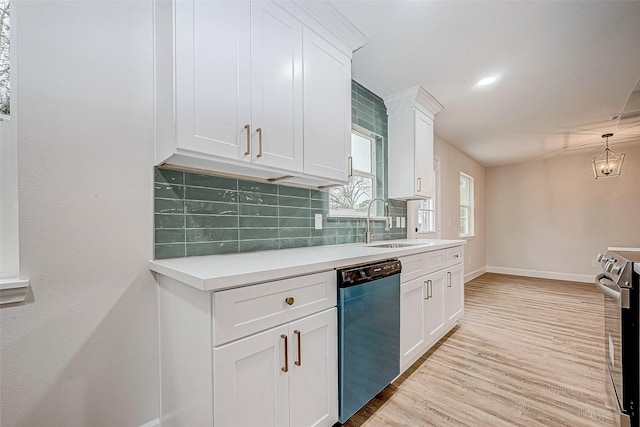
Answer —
(285, 376)
(431, 304)
(454, 293)
(258, 355)
(413, 336)
(313, 379)
(249, 388)
(435, 305)
(422, 318)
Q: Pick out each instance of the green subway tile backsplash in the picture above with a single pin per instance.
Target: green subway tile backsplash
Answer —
(257, 245)
(258, 222)
(199, 214)
(222, 183)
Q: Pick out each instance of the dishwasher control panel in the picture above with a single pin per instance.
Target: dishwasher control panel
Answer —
(356, 274)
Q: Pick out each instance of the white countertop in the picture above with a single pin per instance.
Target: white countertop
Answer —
(216, 272)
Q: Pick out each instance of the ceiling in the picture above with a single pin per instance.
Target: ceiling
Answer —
(563, 68)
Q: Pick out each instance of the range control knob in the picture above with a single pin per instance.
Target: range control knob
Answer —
(616, 269)
(608, 267)
(600, 258)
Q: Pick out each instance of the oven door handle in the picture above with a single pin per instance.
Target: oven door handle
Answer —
(621, 296)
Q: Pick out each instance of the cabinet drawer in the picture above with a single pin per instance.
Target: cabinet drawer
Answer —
(454, 255)
(414, 266)
(243, 311)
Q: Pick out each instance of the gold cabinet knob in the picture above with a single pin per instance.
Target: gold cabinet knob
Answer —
(289, 300)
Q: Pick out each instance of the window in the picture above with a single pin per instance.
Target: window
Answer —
(12, 288)
(353, 199)
(5, 54)
(427, 208)
(426, 216)
(8, 173)
(466, 205)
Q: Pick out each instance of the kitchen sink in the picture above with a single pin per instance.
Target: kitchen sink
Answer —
(391, 245)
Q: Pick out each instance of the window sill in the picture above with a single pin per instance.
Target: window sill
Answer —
(13, 290)
(470, 237)
(428, 234)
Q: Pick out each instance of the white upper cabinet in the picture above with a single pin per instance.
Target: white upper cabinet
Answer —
(411, 115)
(276, 87)
(327, 109)
(254, 88)
(212, 80)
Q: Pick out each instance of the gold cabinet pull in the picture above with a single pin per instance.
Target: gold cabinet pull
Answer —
(350, 161)
(449, 276)
(299, 361)
(426, 285)
(419, 185)
(248, 129)
(289, 300)
(259, 142)
(285, 368)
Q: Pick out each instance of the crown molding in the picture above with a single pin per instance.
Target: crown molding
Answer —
(415, 97)
(328, 17)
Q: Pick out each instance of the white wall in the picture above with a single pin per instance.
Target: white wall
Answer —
(82, 351)
(552, 215)
(452, 162)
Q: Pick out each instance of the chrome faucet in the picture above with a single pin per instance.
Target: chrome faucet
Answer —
(367, 234)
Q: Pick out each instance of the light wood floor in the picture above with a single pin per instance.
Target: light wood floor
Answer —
(527, 352)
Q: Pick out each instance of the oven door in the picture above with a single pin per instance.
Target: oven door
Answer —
(616, 299)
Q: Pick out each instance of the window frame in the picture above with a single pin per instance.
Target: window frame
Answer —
(13, 289)
(436, 199)
(470, 218)
(421, 228)
(338, 213)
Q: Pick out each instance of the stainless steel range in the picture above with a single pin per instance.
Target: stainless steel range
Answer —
(620, 283)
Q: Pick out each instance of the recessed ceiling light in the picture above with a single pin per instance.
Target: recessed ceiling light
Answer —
(486, 81)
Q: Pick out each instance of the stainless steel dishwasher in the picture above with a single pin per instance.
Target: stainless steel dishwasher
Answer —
(368, 332)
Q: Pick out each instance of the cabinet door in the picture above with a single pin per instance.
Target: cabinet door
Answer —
(424, 184)
(327, 109)
(249, 387)
(413, 337)
(454, 293)
(434, 305)
(212, 77)
(276, 76)
(313, 367)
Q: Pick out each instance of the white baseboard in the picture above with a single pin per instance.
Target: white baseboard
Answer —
(542, 274)
(152, 423)
(477, 273)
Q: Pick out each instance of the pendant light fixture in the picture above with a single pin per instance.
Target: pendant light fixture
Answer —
(607, 163)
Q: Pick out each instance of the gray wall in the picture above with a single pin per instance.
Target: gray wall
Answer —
(552, 215)
(83, 349)
(452, 162)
